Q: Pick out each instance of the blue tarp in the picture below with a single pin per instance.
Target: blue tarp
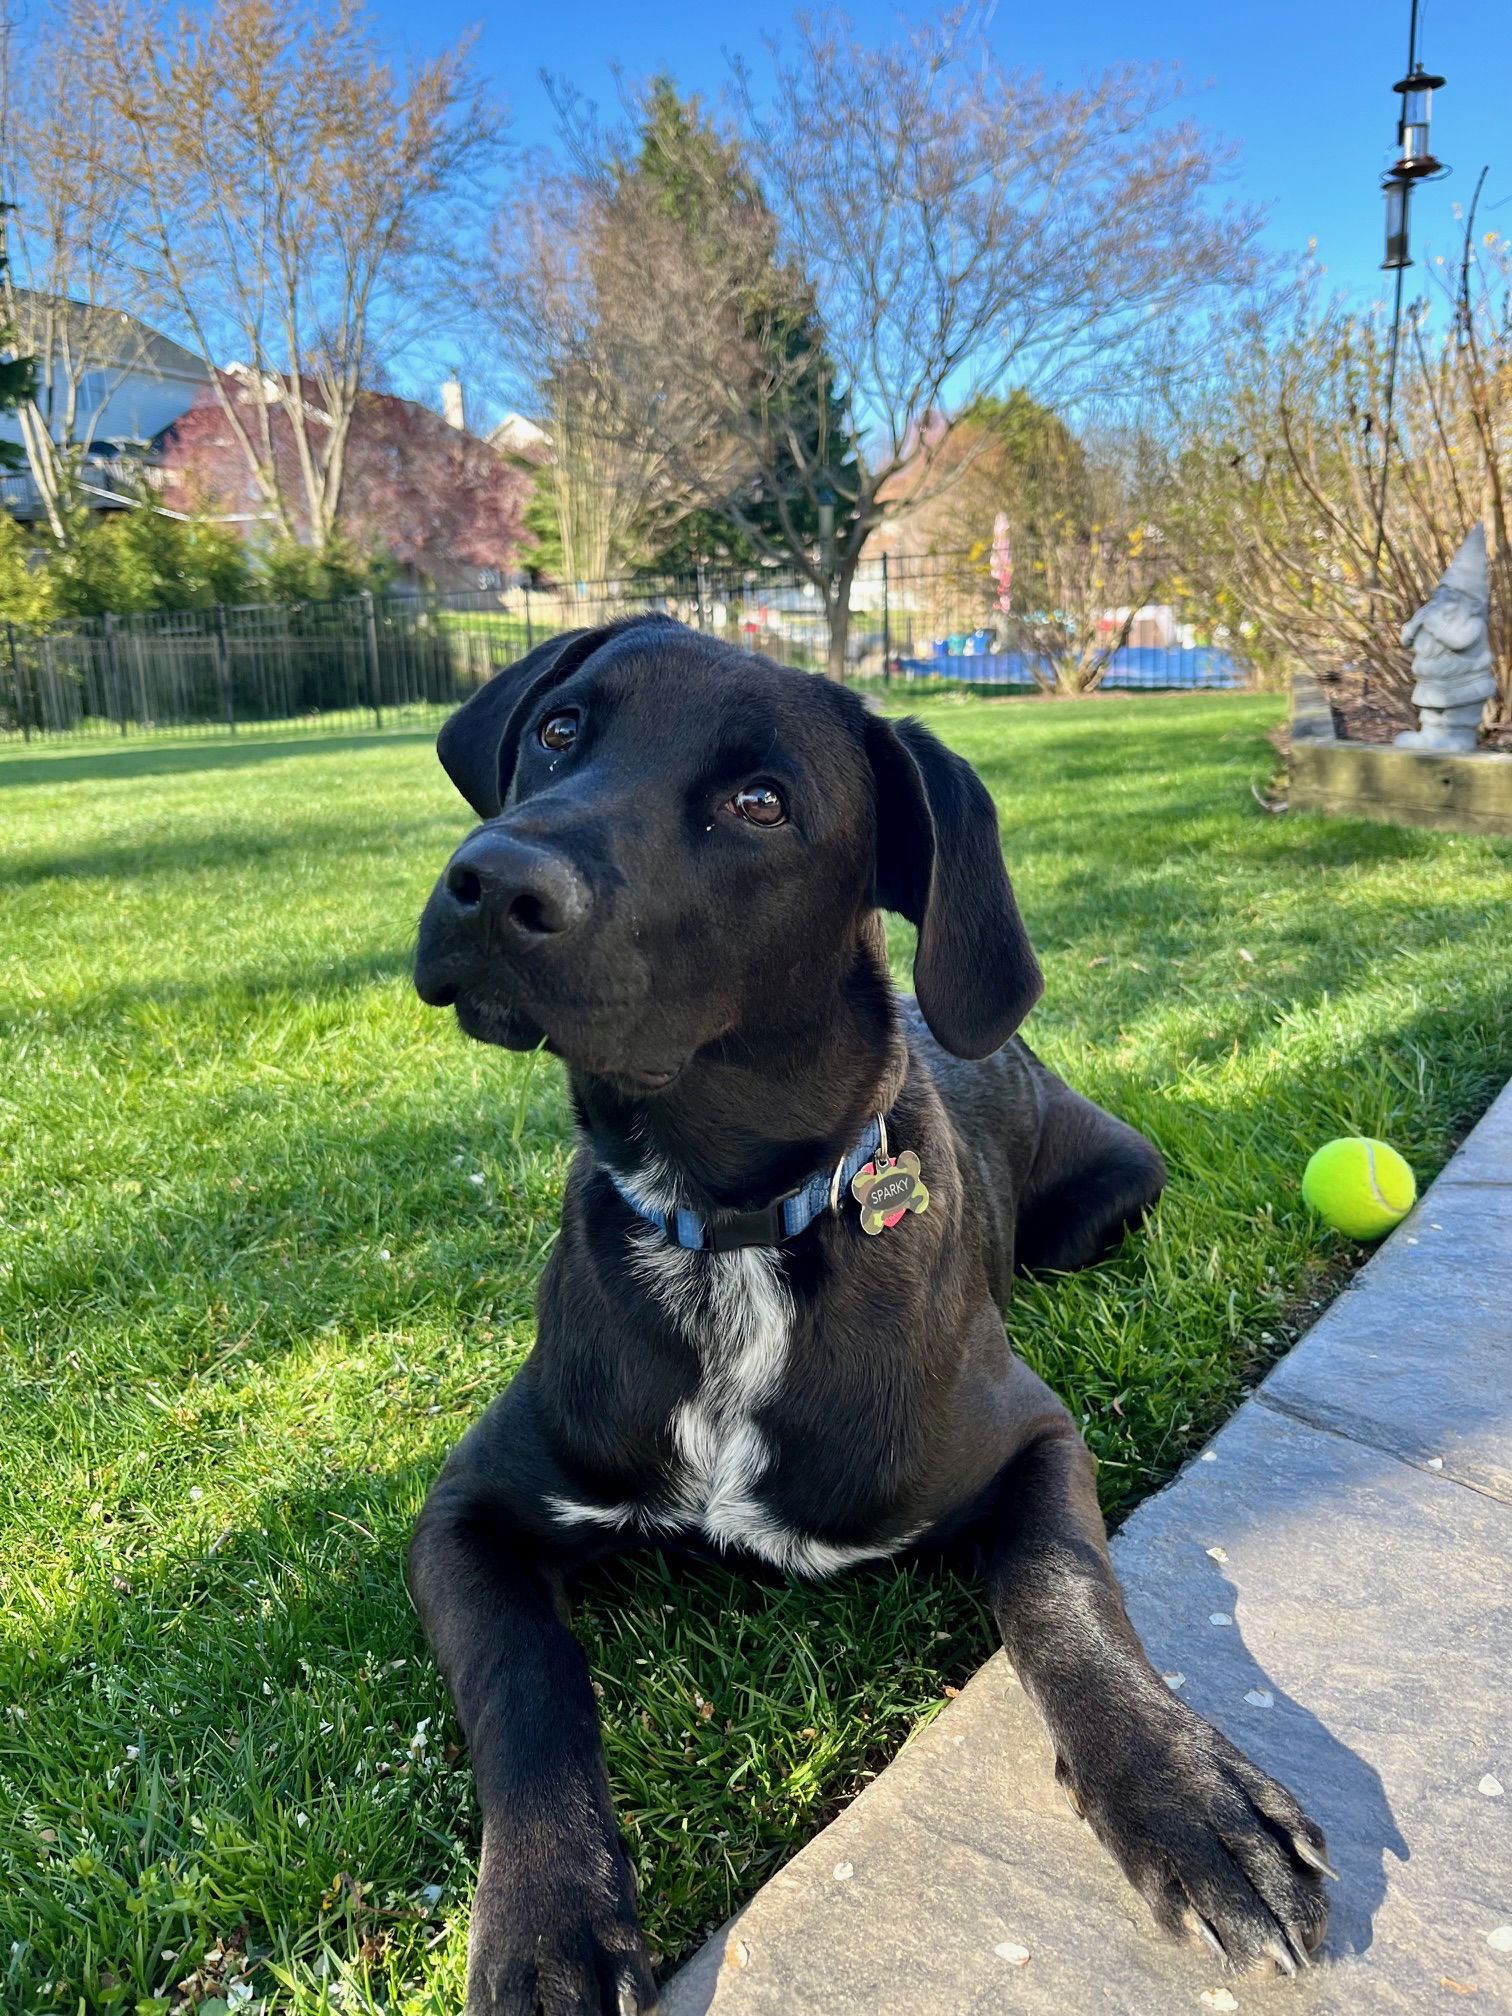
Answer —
(1135, 665)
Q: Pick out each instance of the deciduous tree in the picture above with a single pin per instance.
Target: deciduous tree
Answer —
(964, 228)
(599, 296)
(299, 203)
(60, 284)
(1272, 495)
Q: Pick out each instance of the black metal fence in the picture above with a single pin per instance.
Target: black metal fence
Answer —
(363, 662)
(381, 661)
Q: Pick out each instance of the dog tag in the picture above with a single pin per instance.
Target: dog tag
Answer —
(885, 1190)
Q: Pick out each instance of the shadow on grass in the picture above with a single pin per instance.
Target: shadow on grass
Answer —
(285, 1617)
(276, 1646)
(272, 1670)
(127, 759)
(232, 847)
(228, 998)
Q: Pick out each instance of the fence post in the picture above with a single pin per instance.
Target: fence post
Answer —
(886, 628)
(699, 579)
(375, 687)
(223, 665)
(529, 626)
(113, 672)
(10, 631)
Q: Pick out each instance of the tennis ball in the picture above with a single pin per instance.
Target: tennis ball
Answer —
(1359, 1186)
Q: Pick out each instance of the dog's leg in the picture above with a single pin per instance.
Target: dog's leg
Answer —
(1218, 1850)
(1093, 1179)
(554, 1930)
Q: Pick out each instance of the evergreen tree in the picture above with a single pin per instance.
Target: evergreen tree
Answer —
(701, 181)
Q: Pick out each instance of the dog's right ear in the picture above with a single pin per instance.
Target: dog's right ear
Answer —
(471, 742)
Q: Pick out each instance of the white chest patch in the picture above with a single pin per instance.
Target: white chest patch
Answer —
(736, 1312)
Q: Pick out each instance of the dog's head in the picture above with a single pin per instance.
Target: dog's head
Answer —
(681, 844)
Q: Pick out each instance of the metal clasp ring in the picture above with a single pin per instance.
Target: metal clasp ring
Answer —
(881, 1156)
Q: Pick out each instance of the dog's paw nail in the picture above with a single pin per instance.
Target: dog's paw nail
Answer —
(1312, 1857)
(1274, 1950)
(1299, 1948)
(1198, 1926)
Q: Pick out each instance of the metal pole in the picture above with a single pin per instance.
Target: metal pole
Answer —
(1396, 333)
(223, 665)
(375, 688)
(10, 631)
(113, 667)
(1391, 372)
(886, 627)
(529, 626)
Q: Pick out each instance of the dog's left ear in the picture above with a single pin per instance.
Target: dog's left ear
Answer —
(940, 865)
(469, 742)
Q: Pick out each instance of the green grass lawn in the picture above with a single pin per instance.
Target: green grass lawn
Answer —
(269, 1232)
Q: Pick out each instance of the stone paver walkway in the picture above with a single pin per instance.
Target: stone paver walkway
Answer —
(1332, 1578)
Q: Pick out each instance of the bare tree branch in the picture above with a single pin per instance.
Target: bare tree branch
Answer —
(298, 207)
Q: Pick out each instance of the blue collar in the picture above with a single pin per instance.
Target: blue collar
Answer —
(784, 1218)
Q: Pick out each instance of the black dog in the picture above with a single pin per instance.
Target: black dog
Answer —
(676, 885)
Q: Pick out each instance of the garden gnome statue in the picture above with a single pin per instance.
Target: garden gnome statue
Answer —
(1451, 653)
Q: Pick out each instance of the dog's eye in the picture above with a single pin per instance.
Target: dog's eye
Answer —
(760, 804)
(560, 732)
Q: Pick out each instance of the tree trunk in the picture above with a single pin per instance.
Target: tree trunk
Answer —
(837, 612)
(47, 467)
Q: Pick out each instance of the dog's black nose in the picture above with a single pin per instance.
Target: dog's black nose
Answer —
(532, 892)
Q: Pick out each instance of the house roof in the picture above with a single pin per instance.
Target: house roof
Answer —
(515, 435)
(109, 337)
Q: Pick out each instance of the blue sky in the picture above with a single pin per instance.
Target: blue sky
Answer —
(1304, 89)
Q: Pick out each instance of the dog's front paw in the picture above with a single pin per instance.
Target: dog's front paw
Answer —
(1220, 1852)
(554, 1933)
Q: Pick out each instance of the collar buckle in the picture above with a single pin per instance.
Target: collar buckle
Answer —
(732, 1231)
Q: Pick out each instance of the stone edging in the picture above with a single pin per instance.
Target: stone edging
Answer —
(1469, 793)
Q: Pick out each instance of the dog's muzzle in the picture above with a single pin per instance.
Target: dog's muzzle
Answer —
(499, 896)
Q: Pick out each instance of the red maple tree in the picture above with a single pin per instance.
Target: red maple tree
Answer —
(417, 491)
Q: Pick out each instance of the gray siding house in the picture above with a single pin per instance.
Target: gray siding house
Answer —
(107, 379)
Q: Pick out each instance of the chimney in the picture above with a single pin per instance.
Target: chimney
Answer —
(453, 407)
